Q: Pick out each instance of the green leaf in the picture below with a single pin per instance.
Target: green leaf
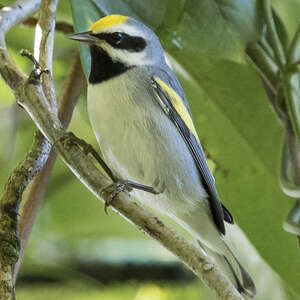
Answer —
(289, 12)
(206, 41)
(245, 17)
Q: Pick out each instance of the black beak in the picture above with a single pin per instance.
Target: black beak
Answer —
(85, 37)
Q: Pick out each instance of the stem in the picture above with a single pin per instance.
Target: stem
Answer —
(265, 63)
(294, 51)
(292, 100)
(268, 49)
(292, 223)
(274, 38)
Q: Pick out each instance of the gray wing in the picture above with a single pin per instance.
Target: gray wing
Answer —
(219, 211)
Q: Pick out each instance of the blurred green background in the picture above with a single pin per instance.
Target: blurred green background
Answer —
(205, 41)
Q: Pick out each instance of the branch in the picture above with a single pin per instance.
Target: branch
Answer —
(37, 158)
(44, 39)
(16, 13)
(12, 195)
(69, 97)
(43, 47)
(60, 26)
(32, 97)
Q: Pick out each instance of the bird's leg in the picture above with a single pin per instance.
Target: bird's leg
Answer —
(138, 186)
(70, 138)
(119, 185)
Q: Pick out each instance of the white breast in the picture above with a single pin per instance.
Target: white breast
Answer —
(119, 125)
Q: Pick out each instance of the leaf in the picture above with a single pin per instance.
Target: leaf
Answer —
(206, 41)
(244, 16)
(289, 12)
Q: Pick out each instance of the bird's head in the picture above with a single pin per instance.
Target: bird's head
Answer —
(124, 39)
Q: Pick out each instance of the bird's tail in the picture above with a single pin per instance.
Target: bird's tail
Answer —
(233, 269)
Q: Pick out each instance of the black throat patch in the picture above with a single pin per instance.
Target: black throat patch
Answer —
(103, 67)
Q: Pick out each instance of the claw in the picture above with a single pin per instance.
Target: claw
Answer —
(112, 190)
(67, 139)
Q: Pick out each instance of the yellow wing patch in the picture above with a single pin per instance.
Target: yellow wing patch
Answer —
(179, 106)
(107, 22)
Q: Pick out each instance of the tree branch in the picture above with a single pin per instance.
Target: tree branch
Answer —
(60, 26)
(16, 13)
(43, 47)
(32, 97)
(11, 198)
(37, 158)
(69, 97)
(10, 16)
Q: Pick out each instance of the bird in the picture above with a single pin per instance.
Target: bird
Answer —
(144, 127)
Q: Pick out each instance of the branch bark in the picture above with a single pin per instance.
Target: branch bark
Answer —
(32, 97)
(16, 13)
(11, 198)
(43, 47)
(36, 159)
(69, 97)
(60, 26)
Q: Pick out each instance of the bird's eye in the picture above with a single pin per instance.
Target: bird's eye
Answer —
(117, 37)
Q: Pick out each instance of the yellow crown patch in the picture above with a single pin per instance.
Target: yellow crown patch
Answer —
(106, 22)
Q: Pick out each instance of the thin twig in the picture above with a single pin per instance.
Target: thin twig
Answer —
(43, 47)
(69, 97)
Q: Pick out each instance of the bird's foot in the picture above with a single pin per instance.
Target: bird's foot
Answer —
(69, 138)
(120, 185)
(112, 190)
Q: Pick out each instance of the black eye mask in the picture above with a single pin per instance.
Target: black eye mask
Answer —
(120, 40)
